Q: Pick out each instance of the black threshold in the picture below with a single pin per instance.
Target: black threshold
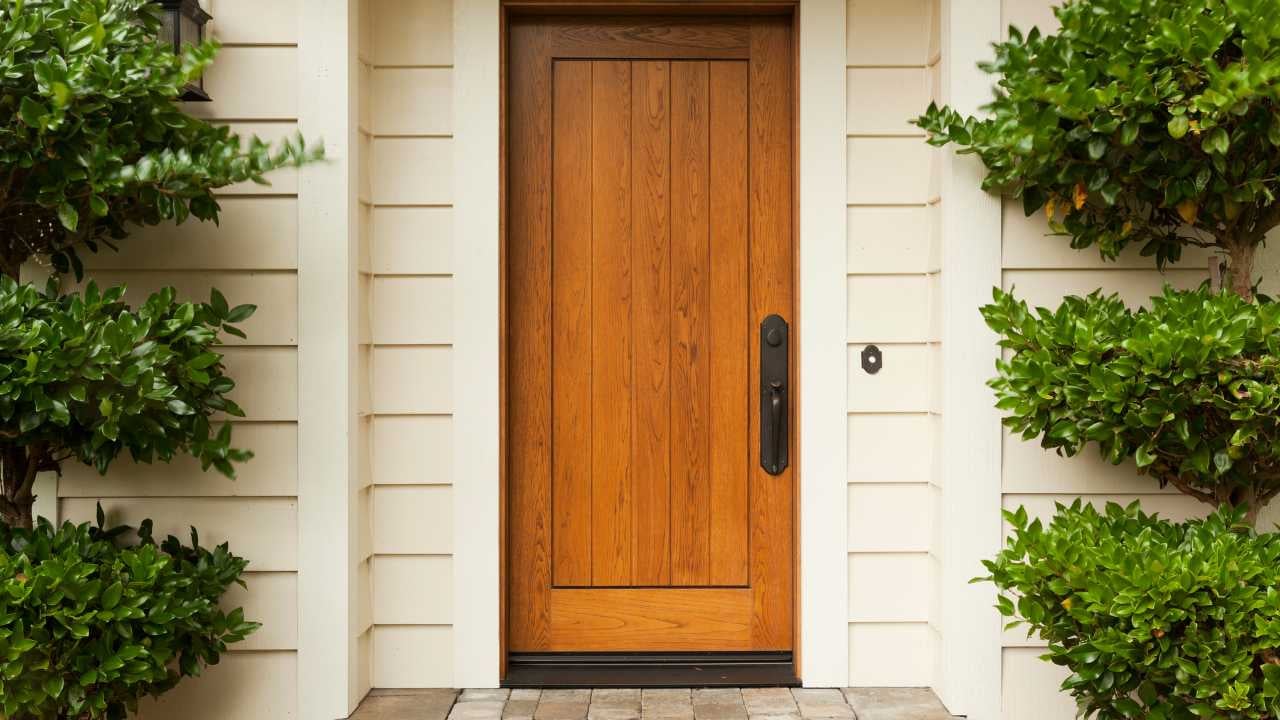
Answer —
(650, 670)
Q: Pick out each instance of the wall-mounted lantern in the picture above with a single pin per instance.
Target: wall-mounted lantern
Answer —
(183, 22)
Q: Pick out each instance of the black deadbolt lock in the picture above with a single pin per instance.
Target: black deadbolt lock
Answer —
(773, 394)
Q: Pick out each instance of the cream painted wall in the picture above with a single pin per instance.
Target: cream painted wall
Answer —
(252, 258)
(892, 73)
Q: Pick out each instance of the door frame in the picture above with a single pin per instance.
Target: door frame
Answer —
(819, 218)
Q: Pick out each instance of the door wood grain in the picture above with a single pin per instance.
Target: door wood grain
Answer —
(650, 229)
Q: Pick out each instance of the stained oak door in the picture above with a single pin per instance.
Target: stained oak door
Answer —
(649, 233)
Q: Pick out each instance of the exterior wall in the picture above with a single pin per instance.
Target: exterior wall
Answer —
(252, 257)
(409, 205)
(894, 55)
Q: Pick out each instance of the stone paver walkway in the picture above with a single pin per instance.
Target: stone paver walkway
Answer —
(665, 704)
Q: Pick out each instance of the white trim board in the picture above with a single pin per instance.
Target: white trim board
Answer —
(970, 523)
(823, 304)
(476, 292)
(824, 651)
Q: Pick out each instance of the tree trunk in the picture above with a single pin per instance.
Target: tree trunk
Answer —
(1240, 255)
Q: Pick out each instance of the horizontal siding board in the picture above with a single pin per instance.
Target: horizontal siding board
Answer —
(889, 171)
(266, 381)
(412, 380)
(902, 384)
(274, 323)
(1170, 506)
(890, 655)
(262, 530)
(412, 32)
(280, 182)
(412, 171)
(1029, 468)
(888, 308)
(255, 22)
(888, 32)
(1047, 287)
(407, 656)
(412, 520)
(891, 587)
(413, 590)
(1030, 687)
(412, 450)
(412, 310)
(1026, 14)
(412, 241)
(412, 101)
(244, 686)
(890, 239)
(888, 518)
(270, 599)
(1028, 243)
(273, 471)
(892, 448)
(252, 234)
(250, 83)
(882, 101)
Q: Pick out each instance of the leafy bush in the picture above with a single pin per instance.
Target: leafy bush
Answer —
(88, 626)
(1147, 122)
(1155, 620)
(1190, 388)
(85, 377)
(93, 140)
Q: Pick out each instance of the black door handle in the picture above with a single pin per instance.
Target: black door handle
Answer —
(774, 360)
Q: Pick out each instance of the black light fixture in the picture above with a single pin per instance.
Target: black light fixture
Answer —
(183, 22)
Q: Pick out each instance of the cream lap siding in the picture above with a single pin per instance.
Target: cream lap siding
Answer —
(893, 50)
(252, 258)
(409, 204)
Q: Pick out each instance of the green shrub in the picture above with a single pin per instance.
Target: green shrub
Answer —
(1153, 619)
(89, 626)
(84, 377)
(1147, 122)
(1190, 388)
(93, 140)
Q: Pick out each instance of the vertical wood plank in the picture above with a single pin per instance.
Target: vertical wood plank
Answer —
(730, 335)
(690, 370)
(529, 343)
(571, 323)
(771, 186)
(611, 352)
(651, 283)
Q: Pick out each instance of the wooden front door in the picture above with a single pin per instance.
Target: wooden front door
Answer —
(649, 234)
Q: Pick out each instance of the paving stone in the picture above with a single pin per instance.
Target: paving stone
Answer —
(895, 704)
(821, 703)
(666, 695)
(478, 710)
(525, 694)
(616, 697)
(769, 701)
(667, 711)
(484, 694)
(415, 706)
(582, 695)
(776, 716)
(519, 709)
(609, 712)
(717, 696)
(560, 710)
(719, 711)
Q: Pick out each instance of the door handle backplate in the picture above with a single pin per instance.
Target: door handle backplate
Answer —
(774, 376)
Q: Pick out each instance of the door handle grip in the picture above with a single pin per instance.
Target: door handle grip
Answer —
(774, 376)
(776, 403)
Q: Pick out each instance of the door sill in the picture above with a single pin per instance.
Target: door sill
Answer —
(650, 670)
